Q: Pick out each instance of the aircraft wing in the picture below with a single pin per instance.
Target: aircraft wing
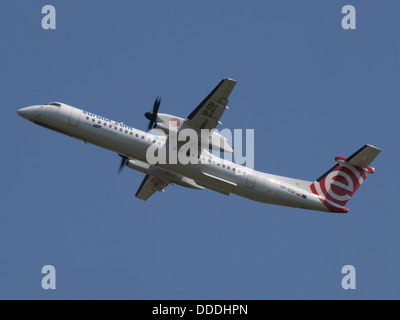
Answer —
(208, 114)
(149, 186)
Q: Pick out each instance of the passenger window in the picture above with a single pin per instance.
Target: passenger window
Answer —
(87, 118)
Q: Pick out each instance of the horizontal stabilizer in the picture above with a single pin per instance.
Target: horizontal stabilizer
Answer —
(364, 157)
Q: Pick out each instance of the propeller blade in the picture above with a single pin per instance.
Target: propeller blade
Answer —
(149, 115)
(152, 116)
(150, 126)
(124, 162)
(156, 105)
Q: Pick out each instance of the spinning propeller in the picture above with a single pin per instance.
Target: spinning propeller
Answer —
(152, 116)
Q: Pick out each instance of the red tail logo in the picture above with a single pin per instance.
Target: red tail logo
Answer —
(338, 185)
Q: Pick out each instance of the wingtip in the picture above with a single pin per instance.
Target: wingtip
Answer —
(230, 79)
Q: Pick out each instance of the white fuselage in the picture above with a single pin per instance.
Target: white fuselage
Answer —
(212, 172)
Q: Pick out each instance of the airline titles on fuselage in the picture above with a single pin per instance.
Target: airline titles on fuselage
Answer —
(111, 122)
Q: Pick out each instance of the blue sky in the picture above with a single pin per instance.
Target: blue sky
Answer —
(311, 91)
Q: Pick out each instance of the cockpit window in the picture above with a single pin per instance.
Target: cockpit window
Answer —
(54, 104)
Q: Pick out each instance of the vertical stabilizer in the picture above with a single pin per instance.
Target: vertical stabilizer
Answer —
(338, 185)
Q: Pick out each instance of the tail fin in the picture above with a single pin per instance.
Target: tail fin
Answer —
(337, 186)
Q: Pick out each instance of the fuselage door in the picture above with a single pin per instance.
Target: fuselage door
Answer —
(74, 117)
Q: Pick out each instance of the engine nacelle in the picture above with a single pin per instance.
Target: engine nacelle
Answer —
(167, 122)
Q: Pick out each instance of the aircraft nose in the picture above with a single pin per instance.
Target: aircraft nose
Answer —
(28, 112)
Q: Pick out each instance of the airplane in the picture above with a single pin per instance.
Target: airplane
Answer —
(329, 193)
